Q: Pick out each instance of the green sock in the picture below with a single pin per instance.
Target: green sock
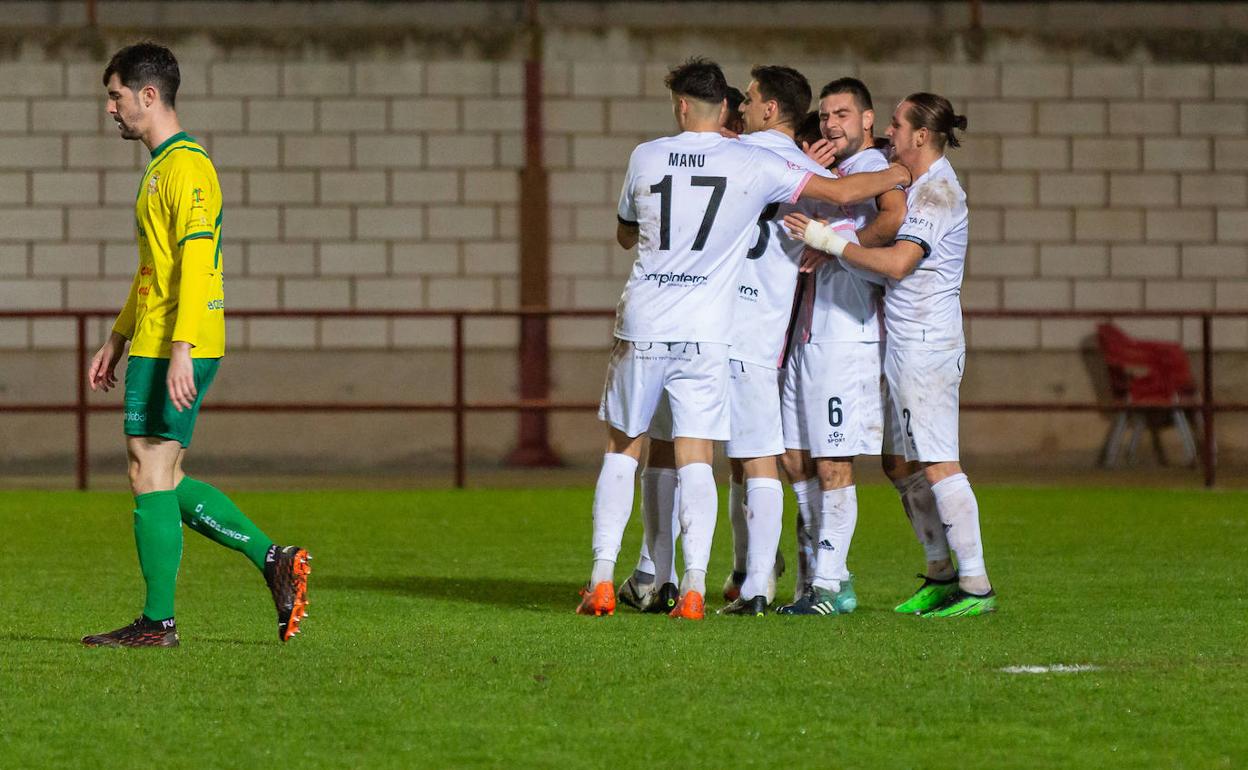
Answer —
(209, 512)
(158, 535)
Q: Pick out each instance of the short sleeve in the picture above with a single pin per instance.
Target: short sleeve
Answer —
(782, 179)
(193, 196)
(925, 221)
(627, 211)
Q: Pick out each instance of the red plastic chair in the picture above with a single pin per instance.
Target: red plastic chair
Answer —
(1145, 376)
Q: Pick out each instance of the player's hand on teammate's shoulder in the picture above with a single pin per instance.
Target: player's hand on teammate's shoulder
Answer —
(728, 133)
(904, 177)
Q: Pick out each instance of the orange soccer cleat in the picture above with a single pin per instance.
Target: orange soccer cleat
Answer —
(690, 607)
(600, 601)
(286, 571)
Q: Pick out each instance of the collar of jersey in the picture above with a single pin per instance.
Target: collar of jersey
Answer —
(769, 136)
(940, 163)
(850, 159)
(181, 136)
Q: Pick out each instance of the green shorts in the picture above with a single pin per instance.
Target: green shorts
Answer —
(149, 412)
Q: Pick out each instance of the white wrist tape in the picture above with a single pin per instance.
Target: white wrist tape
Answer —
(824, 238)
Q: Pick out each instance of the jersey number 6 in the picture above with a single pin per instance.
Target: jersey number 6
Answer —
(664, 189)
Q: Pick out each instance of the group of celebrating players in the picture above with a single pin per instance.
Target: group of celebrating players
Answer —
(752, 316)
(794, 295)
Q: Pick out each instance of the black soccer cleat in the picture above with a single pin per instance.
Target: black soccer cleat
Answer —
(634, 593)
(141, 633)
(755, 606)
(286, 571)
(664, 599)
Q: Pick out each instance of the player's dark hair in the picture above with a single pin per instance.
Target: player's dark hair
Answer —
(936, 114)
(699, 79)
(144, 64)
(787, 87)
(862, 95)
(735, 121)
(807, 129)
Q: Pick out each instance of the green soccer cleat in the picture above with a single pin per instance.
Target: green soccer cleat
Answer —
(964, 605)
(932, 594)
(846, 599)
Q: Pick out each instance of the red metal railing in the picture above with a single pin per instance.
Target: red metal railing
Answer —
(459, 406)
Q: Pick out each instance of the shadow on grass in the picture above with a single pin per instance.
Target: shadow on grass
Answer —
(231, 642)
(499, 592)
(11, 637)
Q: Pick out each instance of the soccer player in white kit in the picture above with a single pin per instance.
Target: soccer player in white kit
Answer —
(776, 98)
(926, 350)
(833, 408)
(690, 204)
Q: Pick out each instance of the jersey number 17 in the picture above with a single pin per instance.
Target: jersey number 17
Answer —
(664, 189)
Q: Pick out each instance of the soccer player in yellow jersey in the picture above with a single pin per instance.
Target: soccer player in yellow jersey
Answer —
(174, 322)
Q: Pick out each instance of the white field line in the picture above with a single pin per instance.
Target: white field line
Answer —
(1059, 668)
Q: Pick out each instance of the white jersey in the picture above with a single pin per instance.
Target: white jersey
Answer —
(695, 198)
(844, 305)
(769, 278)
(924, 309)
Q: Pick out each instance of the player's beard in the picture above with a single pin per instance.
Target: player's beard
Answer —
(844, 148)
(127, 132)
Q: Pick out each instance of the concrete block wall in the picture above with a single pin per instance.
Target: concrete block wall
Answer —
(376, 184)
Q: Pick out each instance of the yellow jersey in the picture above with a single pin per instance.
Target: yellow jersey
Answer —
(178, 291)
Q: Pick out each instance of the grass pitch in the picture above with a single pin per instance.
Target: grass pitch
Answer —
(441, 634)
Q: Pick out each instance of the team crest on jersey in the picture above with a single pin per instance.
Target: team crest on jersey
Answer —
(152, 182)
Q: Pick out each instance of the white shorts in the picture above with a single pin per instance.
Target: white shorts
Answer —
(791, 421)
(691, 376)
(922, 396)
(842, 405)
(754, 396)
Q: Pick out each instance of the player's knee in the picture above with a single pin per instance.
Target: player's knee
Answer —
(794, 465)
(836, 474)
(938, 472)
(895, 467)
(134, 472)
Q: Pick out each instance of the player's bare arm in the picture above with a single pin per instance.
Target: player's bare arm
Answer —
(627, 234)
(896, 261)
(858, 187)
(882, 230)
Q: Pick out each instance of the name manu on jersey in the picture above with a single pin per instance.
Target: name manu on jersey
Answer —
(685, 160)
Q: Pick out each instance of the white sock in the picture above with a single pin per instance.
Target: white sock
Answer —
(836, 530)
(666, 525)
(603, 570)
(808, 500)
(649, 517)
(740, 528)
(920, 507)
(959, 511)
(613, 503)
(698, 503)
(695, 580)
(765, 506)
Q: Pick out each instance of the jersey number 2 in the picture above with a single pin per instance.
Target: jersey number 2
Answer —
(664, 189)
